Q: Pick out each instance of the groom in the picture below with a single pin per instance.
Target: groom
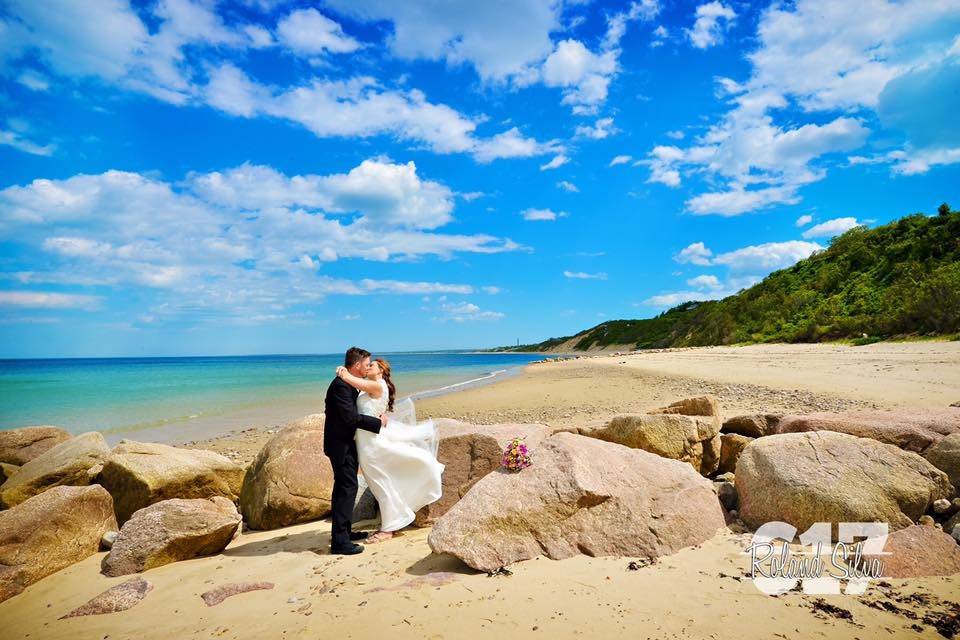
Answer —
(341, 424)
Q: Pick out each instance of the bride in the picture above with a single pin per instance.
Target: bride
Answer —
(399, 463)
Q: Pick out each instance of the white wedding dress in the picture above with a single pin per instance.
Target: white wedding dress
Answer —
(399, 463)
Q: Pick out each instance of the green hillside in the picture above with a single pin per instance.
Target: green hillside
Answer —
(899, 279)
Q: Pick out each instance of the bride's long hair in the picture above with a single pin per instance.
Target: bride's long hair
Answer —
(385, 371)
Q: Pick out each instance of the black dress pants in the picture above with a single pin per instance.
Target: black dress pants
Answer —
(343, 458)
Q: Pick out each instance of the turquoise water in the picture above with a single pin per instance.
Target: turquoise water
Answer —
(126, 395)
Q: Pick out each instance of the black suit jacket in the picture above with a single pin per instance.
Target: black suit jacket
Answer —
(342, 418)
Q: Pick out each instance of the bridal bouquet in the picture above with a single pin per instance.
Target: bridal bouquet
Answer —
(516, 456)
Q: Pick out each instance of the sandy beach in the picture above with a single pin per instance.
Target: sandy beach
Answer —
(400, 590)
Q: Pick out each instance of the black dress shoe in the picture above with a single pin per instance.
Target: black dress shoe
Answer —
(346, 550)
(358, 535)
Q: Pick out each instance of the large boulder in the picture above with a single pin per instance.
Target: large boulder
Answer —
(753, 426)
(20, 446)
(918, 551)
(805, 478)
(581, 495)
(691, 439)
(731, 446)
(138, 474)
(910, 429)
(469, 452)
(50, 531)
(172, 530)
(291, 480)
(945, 455)
(73, 462)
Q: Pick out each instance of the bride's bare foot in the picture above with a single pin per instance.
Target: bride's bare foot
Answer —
(379, 536)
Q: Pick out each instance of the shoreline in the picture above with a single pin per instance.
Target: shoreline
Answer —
(748, 379)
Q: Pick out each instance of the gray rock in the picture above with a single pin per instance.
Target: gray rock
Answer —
(172, 530)
(106, 542)
(941, 506)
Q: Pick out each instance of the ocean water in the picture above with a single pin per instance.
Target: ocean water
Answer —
(173, 399)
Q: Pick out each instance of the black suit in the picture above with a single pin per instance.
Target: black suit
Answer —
(340, 427)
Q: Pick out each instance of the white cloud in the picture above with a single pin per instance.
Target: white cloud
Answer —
(831, 60)
(359, 107)
(621, 159)
(568, 186)
(660, 35)
(768, 256)
(491, 290)
(667, 300)
(465, 32)
(46, 300)
(557, 162)
(34, 81)
(308, 32)
(830, 228)
(601, 129)
(804, 220)
(580, 275)
(705, 282)
(584, 76)
(466, 312)
(712, 20)
(383, 191)
(696, 253)
(240, 240)
(542, 214)
(181, 60)
(19, 142)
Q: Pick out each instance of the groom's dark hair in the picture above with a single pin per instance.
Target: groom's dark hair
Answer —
(354, 355)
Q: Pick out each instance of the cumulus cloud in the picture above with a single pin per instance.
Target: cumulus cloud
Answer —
(240, 240)
(696, 253)
(804, 220)
(602, 128)
(761, 257)
(383, 191)
(569, 187)
(466, 312)
(621, 159)
(712, 20)
(308, 32)
(830, 228)
(768, 256)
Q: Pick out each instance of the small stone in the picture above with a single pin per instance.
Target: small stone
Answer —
(941, 506)
(221, 593)
(117, 598)
(106, 542)
(926, 521)
(956, 533)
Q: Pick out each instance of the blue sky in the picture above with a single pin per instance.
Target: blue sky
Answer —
(263, 176)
